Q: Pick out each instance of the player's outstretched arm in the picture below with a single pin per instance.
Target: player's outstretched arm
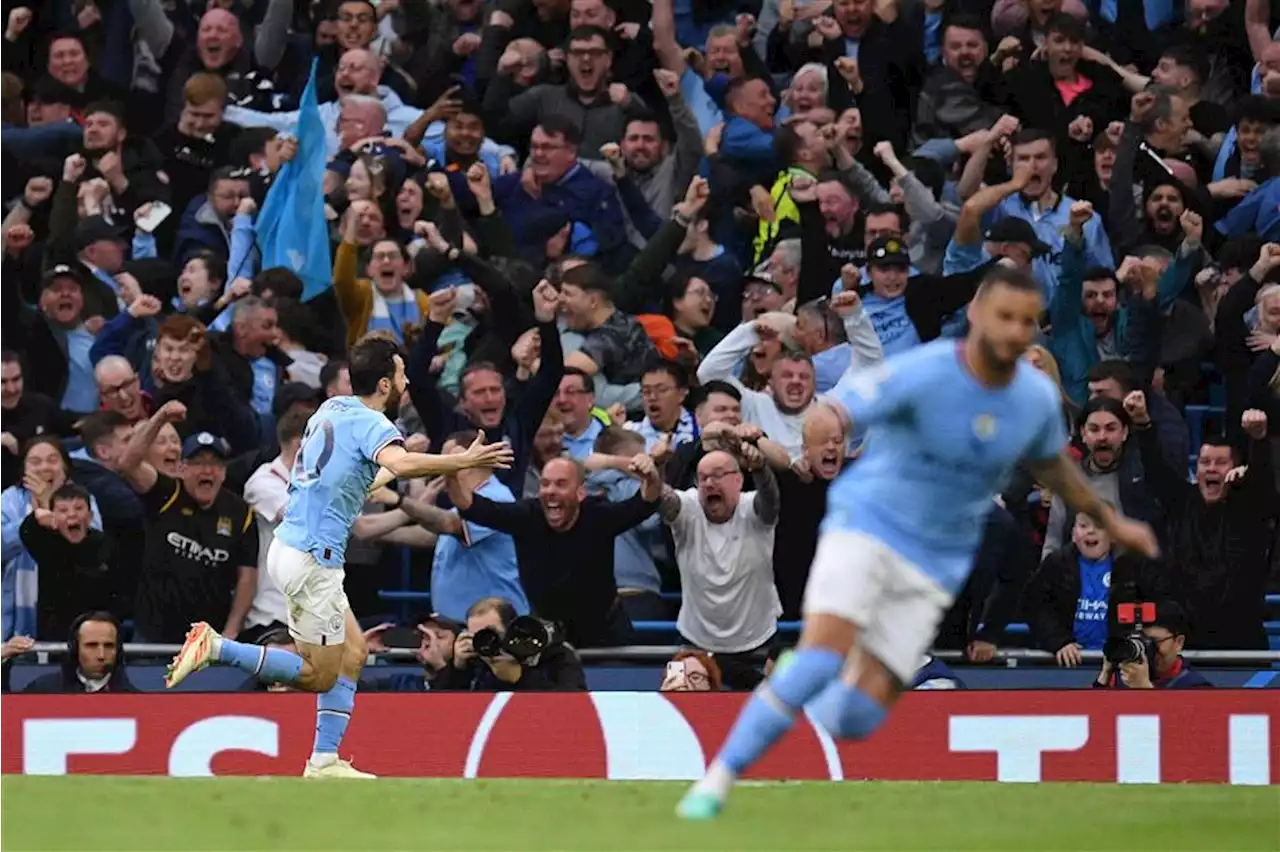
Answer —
(1062, 476)
(383, 478)
(406, 465)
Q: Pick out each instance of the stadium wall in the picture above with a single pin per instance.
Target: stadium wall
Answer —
(1213, 736)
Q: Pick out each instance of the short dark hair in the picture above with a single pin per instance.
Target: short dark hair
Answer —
(587, 31)
(588, 383)
(112, 108)
(1003, 276)
(215, 265)
(8, 356)
(718, 386)
(71, 491)
(291, 425)
(662, 365)
(787, 144)
(1068, 26)
(330, 371)
(881, 208)
(372, 360)
(1113, 369)
(280, 280)
(1187, 55)
(465, 437)
(471, 369)
(1172, 617)
(964, 21)
(99, 426)
(1028, 135)
(1220, 440)
(559, 125)
(590, 277)
(1256, 108)
(1099, 273)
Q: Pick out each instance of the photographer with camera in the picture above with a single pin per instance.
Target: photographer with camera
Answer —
(1150, 656)
(502, 651)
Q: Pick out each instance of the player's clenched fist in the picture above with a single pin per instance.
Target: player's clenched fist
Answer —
(1135, 405)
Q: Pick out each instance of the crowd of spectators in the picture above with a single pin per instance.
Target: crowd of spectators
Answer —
(638, 241)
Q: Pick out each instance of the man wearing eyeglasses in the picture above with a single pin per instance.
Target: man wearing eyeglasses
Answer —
(120, 390)
(724, 549)
(1162, 665)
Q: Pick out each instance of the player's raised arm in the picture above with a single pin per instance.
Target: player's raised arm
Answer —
(403, 464)
(1062, 476)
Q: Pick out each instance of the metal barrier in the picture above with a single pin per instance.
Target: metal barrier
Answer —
(1011, 657)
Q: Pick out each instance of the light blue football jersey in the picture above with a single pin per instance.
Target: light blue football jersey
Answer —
(940, 446)
(331, 477)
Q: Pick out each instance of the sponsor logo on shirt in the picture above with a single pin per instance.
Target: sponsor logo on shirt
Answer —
(195, 551)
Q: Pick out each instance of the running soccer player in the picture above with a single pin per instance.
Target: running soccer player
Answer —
(949, 421)
(346, 442)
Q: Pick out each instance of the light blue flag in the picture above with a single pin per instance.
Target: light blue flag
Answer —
(292, 231)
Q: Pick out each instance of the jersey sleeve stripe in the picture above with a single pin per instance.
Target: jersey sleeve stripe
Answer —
(248, 519)
(168, 504)
(398, 439)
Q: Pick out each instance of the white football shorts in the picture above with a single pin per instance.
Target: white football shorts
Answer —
(316, 602)
(895, 605)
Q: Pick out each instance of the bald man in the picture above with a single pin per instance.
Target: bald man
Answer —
(219, 48)
(357, 73)
(119, 389)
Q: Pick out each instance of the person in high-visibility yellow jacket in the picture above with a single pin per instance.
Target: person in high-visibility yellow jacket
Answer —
(784, 209)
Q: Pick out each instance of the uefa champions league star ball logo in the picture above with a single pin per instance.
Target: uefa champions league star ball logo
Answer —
(984, 427)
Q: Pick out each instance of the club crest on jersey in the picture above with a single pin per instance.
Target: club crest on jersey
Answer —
(984, 427)
(224, 526)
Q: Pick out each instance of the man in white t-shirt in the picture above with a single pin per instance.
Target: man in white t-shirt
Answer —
(267, 491)
(724, 549)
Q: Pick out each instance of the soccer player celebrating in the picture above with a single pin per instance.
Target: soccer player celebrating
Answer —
(948, 423)
(346, 441)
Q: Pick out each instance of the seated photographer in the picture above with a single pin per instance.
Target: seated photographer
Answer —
(1152, 657)
(1071, 600)
(501, 650)
(433, 638)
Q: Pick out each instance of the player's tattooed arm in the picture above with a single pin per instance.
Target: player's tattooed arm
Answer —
(432, 517)
(669, 508)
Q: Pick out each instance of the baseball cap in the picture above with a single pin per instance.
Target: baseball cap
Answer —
(440, 621)
(888, 251)
(201, 441)
(94, 228)
(61, 270)
(1011, 229)
(760, 277)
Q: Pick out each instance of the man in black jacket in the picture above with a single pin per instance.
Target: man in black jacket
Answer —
(95, 660)
(1220, 531)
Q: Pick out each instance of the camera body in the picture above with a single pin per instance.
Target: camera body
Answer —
(526, 637)
(1134, 646)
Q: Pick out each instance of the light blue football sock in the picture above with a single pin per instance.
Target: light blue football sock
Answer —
(847, 712)
(270, 665)
(770, 711)
(333, 713)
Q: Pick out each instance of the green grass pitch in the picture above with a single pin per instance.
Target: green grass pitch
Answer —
(113, 813)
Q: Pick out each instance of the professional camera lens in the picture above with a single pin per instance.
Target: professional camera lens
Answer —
(1128, 649)
(487, 642)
